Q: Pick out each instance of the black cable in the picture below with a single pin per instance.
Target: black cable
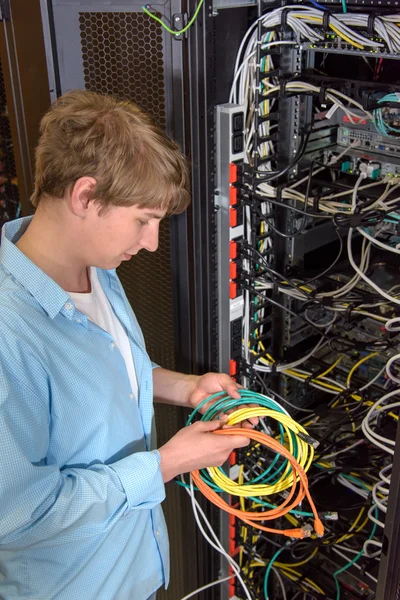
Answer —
(323, 335)
(275, 273)
(269, 392)
(329, 269)
(276, 174)
(303, 223)
(359, 219)
(267, 219)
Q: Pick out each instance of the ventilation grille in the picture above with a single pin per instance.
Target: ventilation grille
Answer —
(9, 195)
(122, 55)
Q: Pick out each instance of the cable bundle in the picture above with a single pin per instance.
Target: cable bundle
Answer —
(379, 115)
(307, 23)
(290, 476)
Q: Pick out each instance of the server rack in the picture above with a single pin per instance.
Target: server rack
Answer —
(286, 332)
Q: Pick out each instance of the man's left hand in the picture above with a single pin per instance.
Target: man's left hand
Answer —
(212, 383)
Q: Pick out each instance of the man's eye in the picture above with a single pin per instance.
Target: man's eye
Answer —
(143, 222)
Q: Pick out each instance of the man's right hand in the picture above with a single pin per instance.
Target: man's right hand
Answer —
(196, 447)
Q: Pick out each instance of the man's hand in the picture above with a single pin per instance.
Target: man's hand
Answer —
(190, 390)
(196, 447)
(210, 384)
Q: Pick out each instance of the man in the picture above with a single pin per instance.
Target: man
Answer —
(80, 482)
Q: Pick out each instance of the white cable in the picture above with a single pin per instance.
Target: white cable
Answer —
(393, 324)
(216, 544)
(334, 548)
(377, 242)
(205, 587)
(280, 368)
(381, 504)
(352, 486)
(279, 578)
(379, 374)
(373, 518)
(382, 474)
(358, 443)
(363, 276)
(369, 433)
(369, 554)
(389, 372)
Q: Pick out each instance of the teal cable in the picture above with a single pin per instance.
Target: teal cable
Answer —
(268, 570)
(294, 511)
(223, 403)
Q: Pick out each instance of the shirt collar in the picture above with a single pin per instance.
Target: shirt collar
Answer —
(44, 289)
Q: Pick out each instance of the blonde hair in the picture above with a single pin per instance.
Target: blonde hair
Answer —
(132, 160)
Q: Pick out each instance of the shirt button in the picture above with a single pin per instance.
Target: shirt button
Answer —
(131, 396)
(79, 320)
(157, 533)
(112, 345)
(68, 305)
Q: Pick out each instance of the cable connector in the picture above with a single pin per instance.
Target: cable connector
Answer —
(308, 439)
(307, 529)
(299, 533)
(362, 167)
(319, 528)
(329, 516)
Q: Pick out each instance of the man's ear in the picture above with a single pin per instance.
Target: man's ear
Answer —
(81, 196)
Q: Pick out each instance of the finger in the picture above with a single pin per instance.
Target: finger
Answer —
(230, 386)
(207, 425)
(233, 390)
(247, 425)
(254, 420)
(239, 441)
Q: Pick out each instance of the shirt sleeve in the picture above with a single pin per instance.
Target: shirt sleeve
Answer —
(43, 504)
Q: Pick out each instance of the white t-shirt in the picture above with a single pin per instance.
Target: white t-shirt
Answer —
(96, 307)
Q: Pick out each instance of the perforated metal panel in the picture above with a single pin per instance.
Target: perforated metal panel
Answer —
(122, 55)
(9, 195)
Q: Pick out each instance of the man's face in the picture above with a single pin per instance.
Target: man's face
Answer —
(120, 233)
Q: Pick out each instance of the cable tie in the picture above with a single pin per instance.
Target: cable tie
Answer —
(282, 88)
(326, 20)
(327, 301)
(322, 94)
(348, 311)
(371, 22)
(308, 381)
(284, 16)
(310, 440)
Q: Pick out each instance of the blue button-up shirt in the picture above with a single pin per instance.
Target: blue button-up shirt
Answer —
(80, 486)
